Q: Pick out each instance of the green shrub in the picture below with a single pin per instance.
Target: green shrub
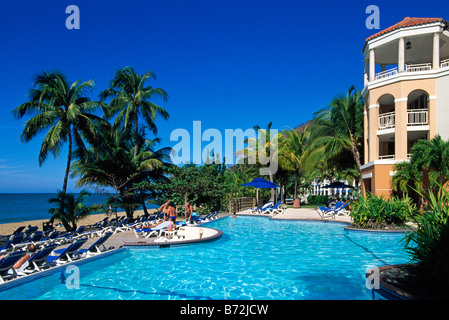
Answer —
(429, 243)
(318, 199)
(372, 211)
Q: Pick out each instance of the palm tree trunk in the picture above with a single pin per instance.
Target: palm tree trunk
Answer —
(69, 160)
(136, 133)
(355, 153)
(296, 185)
(66, 175)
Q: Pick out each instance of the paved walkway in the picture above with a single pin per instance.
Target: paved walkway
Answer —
(300, 214)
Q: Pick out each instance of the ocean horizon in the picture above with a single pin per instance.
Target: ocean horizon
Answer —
(21, 207)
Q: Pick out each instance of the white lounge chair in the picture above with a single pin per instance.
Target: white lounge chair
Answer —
(259, 208)
(148, 232)
(342, 210)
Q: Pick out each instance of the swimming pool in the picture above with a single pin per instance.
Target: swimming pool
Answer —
(256, 258)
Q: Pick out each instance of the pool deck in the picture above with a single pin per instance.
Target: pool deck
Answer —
(299, 214)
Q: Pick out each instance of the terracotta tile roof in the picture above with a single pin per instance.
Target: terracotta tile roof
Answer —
(407, 22)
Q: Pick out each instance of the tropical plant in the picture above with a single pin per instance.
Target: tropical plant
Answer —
(204, 186)
(64, 110)
(118, 161)
(429, 243)
(432, 155)
(70, 210)
(262, 151)
(292, 146)
(376, 212)
(337, 129)
(130, 98)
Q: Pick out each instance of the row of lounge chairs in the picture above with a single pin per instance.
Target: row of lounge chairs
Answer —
(49, 256)
(339, 208)
(269, 208)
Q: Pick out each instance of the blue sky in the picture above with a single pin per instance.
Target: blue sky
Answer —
(229, 64)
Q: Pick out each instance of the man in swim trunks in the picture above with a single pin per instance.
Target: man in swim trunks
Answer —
(189, 212)
(171, 212)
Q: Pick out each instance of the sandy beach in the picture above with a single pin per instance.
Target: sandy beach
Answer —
(9, 228)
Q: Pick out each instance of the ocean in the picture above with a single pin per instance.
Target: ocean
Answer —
(18, 207)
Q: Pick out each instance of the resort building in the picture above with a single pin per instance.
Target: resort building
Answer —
(406, 94)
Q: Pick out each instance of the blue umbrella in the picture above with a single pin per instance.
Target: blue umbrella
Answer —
(338, 185)
(260, 183)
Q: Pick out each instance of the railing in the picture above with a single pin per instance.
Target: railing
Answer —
(240, 204)
(445, 63)
(388, 156)
(418, 67)
(417, 117)
(386, 120)
(386, 74)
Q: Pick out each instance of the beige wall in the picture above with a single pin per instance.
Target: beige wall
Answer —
(400, 91)
(442, 106)
(380, 179)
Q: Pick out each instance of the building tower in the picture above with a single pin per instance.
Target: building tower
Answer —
(406, 95)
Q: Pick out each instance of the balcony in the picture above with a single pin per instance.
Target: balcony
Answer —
(409, 68)
(415, 117)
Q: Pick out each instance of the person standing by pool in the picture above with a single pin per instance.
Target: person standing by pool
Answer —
(188, 212)
(163, 209)
(171, 212)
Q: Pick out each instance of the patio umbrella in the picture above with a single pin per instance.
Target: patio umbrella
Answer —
(337, 185)
(260, 183)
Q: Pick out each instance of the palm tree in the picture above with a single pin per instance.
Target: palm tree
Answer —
(292, 148)
(112, 163)
(70, 210)
(130, 99)
(264, 146)
(64, 110)
(432, 155)
(337, 129)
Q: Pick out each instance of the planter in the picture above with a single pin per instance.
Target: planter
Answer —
(296, 203)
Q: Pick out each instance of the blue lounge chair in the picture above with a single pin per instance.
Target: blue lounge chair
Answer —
(261, 208)
(36, 237)
(273, 209)
(148, 232)
(52, 237)
(38, 261)
(7, 263)
(206, 218)
(325, 211)
(342, 210)
(96, 247)
(68, 254)
(13, 241)
(121, 227)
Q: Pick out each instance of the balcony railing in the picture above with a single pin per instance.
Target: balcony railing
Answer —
(416, 117)
(386, 120)
(418, 67)
(445, 63)
(409, 68)
(386, 73)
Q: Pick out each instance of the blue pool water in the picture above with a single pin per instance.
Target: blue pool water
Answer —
(256, 258)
